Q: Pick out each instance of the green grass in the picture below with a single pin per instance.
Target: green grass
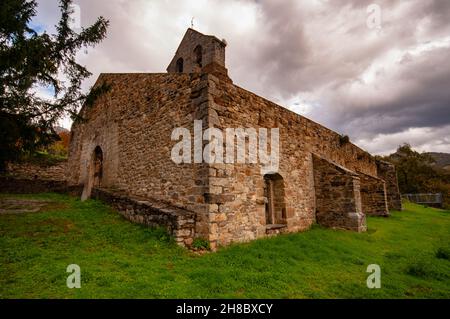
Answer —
(123, 260)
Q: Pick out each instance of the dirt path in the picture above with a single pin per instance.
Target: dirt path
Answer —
(22, 205)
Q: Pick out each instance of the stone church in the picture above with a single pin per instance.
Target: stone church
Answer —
(122, 154)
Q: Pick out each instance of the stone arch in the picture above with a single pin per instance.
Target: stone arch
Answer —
(198, 53)
(276, 200)
(180, 65)
(97, 166)
(95, 173)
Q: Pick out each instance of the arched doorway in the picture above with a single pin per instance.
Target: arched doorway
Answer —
(98, 166)
(95, 173)
(275, 204)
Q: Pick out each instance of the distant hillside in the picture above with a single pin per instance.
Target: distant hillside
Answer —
(442, 159)
(422, 172)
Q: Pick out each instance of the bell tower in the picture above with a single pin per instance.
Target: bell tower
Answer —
(199, 53)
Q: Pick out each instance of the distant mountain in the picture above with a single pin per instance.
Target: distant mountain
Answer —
(442, 159)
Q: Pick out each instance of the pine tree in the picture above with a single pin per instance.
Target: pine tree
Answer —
(29, 59)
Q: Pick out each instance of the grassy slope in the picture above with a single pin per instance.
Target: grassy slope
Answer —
(120, 259)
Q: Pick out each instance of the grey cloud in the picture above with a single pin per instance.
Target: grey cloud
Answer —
(418, 97)
(316, 51)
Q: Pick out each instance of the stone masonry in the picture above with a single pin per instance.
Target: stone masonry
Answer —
(125, 145)
(338, 196)
(55, 172)
(373, 195)
(178, 222)
(197, 51)
(387, 172)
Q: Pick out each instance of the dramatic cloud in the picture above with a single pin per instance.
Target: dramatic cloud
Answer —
(381, 86)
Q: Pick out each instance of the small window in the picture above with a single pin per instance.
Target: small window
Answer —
(180, 65)
(276, 204)
(198, 52)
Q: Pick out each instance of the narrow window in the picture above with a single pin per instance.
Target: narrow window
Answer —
(275, 205)
(198, 52)
(180, 65)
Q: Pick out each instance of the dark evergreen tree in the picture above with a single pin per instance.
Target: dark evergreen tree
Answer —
(29, 59)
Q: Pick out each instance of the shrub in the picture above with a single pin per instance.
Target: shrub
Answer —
(418, 269)
(201, 244)
(343, 139)
(443, 253)
(427, 270)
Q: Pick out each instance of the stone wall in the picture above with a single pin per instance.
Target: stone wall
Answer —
(338, 199)
(28, 171)
(388, 173)
(242, 108)
(179, 223)
(213, 52)
(238, 207)
(373, 196)
(12, 185)
(28, 178)
(133, 124)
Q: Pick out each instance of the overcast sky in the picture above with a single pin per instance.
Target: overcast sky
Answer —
(381, 81)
